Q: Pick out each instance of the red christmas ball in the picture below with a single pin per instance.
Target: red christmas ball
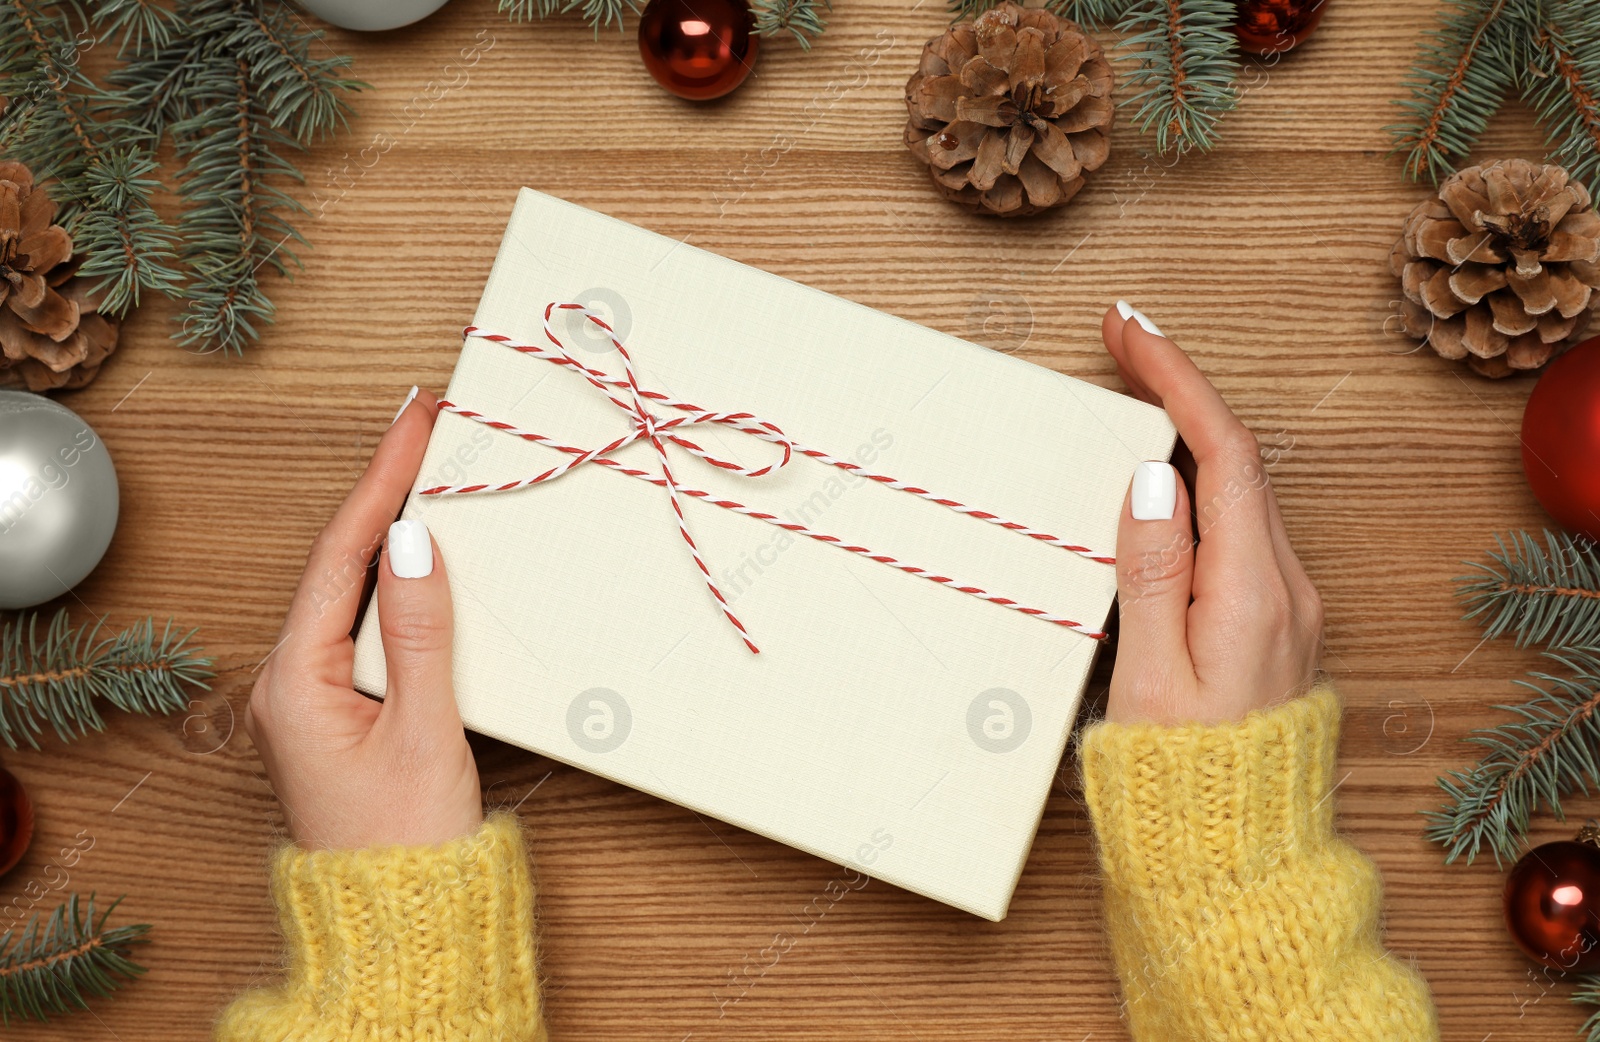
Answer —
(1271, 26)
(698, 49)
(16, 821)
(1561, 439)
(1552, 905)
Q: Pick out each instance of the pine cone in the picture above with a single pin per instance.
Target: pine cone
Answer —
(51, 335)
(1009, 112)
(1501, 267)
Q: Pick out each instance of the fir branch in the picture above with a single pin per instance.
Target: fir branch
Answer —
(1547, 752)
(152, 87)
(1587, 993)
(58, 965)
(596, 13)
(1464, 69)
(1561, 82)
(225, 227)
(1187, 57)
(122, 235)
(532, 10)
(1091, 14)
(135, 22)
(240, 91)
(59, 680)
(803, 19)
(1543, 596)
(51, 123)
(962, 10)
(41, 49)
(302, 94)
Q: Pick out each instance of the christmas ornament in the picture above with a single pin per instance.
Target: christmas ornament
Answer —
(371, 15)
(698, 49)
(58, 499)
(1273, 26)
(1552, 903)
(16, 821)
(1499, 269)
(805, 20)
(1561, 439)
(51, 334)
(1011, 111)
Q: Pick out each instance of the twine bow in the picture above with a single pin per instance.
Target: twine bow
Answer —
(645, 425)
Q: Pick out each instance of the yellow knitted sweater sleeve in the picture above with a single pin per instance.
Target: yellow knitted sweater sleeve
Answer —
(422, 944)
(1234, 912)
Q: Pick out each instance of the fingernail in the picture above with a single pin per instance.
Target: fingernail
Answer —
(410, 550)
(1155, 492)
(409, 396)
(1128, 311)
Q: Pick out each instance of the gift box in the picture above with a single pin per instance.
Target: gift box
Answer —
(855, 614)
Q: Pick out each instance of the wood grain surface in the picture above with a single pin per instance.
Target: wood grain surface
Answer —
(1266, 259)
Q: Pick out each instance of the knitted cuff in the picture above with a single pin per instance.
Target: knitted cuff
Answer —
(1202, 805)
(415, 943)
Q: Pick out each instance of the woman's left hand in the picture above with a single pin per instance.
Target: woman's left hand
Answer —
(352, 772)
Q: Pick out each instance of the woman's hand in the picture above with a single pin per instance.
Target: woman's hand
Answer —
(1214, 629)
(349, 771)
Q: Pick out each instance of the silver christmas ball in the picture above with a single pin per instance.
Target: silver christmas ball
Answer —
(372, 15)
(58, 499)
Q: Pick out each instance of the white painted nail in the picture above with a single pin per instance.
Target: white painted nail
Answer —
(409, 397)
(1155, 492)
(410, 550)
(1128, 311)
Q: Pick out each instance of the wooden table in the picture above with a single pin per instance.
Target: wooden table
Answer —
(1266, 259)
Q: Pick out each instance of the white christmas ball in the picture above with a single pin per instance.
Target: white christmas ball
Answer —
(58, 499)
(371, 15)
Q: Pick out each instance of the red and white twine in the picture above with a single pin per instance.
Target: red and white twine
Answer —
(646, 426)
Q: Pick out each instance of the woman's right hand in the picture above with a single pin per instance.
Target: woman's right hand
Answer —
(1213, 629)
(349, 771)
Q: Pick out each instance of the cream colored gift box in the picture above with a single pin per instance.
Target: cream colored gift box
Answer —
(889, 723)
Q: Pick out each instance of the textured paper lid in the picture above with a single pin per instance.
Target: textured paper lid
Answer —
(890, 724)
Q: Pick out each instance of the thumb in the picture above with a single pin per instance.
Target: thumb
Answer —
(1155, 573)
(417, 624)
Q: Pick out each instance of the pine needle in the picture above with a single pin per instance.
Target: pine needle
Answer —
(135, 22)
(1091, 14)
(960, 10)
(1544, 596)
(303, 95)
(1587, 993)
(531, 10)
(240, 91)
(1464, 69)
(238, 86)
(58, 965)
(1186, 58)
(802, 19)
(1549, 751)
(1548, 51)
(126, 244)
(58, 122)
(60, 679)
(596, 13)
(1562, 82)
